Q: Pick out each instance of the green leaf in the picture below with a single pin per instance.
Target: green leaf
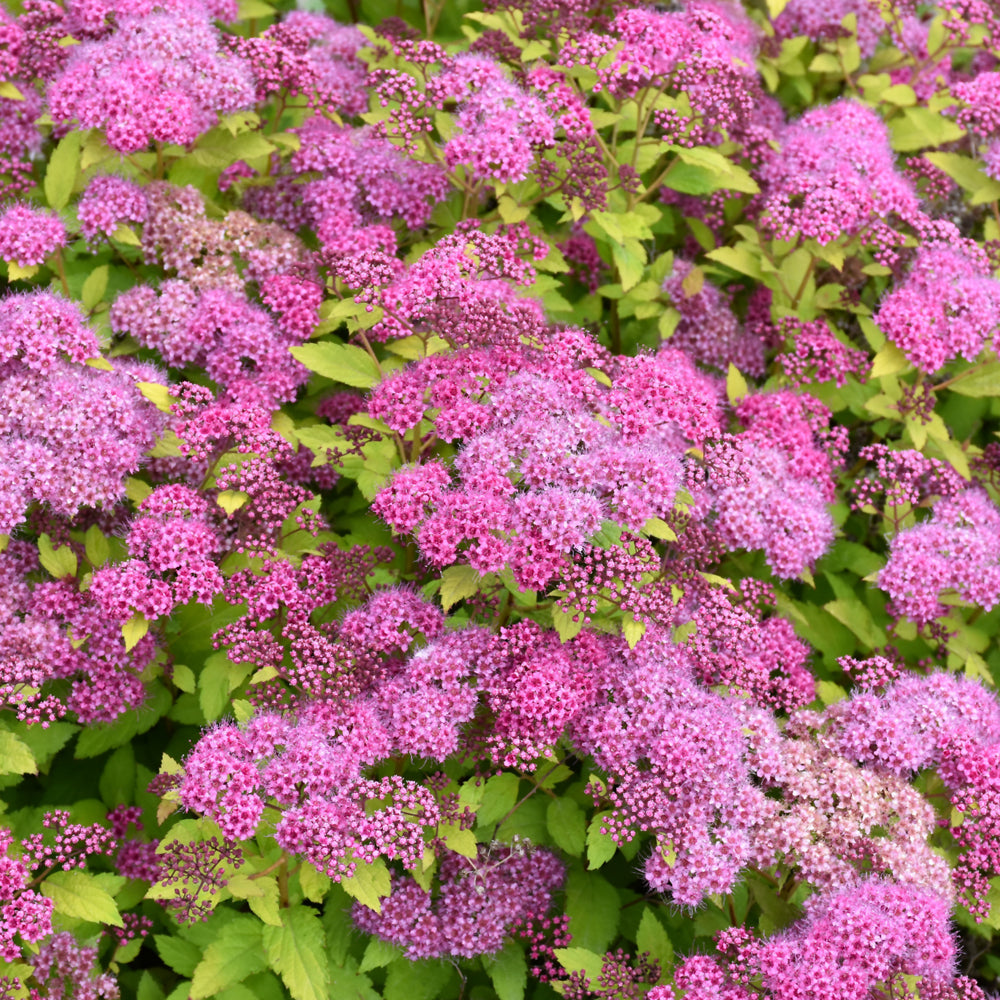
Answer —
(15, 756)
(499, 796)
(77, 894)
(601, 847)
(231, 500)
(369, 884)
(378, 954)
(967, 173)
(96, 547)
(235, 954)
(458, 583)
(979, 381)
(508, 971)
(180, 955)
(118, 777)
(416, 980)
(94, 287)
(711, 167)
(296, 951)
(653, 938)
(630, 259)
(343, 363)
(593, 908)
(64, 166)
(632, 630)
(568, 825)
(566, 624)
(59, 562)
(919, 127)
(581, 960)
(849, 611)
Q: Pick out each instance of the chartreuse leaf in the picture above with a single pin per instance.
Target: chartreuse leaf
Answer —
(458, 583)
(64, 166)
(59, 562)
(508, 971)
(581, 960)
(15, 756)
(566, 624)
(369, 884)
(236, 953)
(343, 363)
(78, 894)
(296, 951)
(499, 796)
(983, 380)
(653, 938)
(601, 847)
(134, 629)
(314, 883)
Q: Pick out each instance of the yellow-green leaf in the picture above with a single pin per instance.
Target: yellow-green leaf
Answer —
(297, 951)
(134, 629)
(231, 500)
(458, 583)
(230, 958)
(94, 287)
(63, 169)
(658, 528)
(889, 360)
(736, 384)
(343, 363)
(15, 755)
(17, 273)
(59, 562)
(78, 894)
(158, 395)
(369, 884)
(96, 546)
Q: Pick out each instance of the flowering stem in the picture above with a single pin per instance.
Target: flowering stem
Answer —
(61, 271)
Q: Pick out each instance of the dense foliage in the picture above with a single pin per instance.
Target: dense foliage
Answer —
(499, 502)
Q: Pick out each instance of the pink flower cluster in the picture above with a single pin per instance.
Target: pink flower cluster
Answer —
(161, 75)
(479, 900)
(835, 175)
(947, 306)
(28, 235)
(69, 433)
(957, 550)
(108, 203)
(232, 339)
(173, 549)
(867, 937)
(23, 912)
(708, 331)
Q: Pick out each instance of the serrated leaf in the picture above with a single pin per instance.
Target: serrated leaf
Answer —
(158, 395)
(979, 382)
(59, 562)
(567, 625)
(15, 756)
(17, 273)
(378, 954)
(62, 171)
(343, 363)
(499, 796)
(889, 360)
(462, 842)
(508, 971)
(369, 884)
(184, 678)
(581, 960)
(656, 527)
(78, 894)
(632, 630)
(458, 583)
(235, 954)
(296, 951)
(601, 847)
(94, 287)
(231, 500)
(652, 938)
(567, 824)
(265, 904)
(134, 630)
(96, 546)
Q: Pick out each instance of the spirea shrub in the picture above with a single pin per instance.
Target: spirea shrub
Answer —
(499, 500)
